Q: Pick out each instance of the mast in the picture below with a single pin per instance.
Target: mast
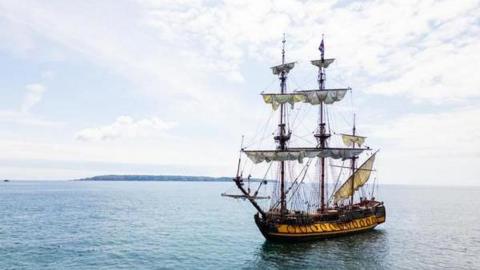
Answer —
(239, 182)
(322, 136)
(353, 163)
(282, 138)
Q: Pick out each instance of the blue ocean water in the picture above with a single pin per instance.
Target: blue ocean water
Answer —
(187, 225)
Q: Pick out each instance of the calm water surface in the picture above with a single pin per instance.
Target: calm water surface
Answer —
(181, 225)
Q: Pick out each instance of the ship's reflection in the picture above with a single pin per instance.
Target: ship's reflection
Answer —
(367, 251)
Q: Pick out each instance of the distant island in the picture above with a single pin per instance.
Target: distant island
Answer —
(158, 178)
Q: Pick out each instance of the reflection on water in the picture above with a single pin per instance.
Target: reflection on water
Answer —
(365, 250)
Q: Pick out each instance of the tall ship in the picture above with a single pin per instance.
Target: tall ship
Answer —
(319, 190)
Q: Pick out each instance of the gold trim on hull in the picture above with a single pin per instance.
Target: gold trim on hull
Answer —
(321, 230)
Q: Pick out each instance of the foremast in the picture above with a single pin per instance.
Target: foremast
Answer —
(239, 182)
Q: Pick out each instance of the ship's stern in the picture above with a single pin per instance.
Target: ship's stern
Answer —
(380, 213)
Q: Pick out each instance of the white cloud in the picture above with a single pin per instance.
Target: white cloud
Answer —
(434, 148)
(22, 116)
(390, 47)
(433, 134)
(19, 118)
(442, 73)
(425, 50)
(32, 97)
(125, 127)
(181, 52)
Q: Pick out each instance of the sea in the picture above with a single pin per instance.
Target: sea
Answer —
(188, 225)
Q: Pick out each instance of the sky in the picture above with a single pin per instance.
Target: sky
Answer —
(169, 87)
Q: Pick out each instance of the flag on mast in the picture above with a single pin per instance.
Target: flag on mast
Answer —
(322, 48)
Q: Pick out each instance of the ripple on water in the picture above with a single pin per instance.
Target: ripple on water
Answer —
(172, 225)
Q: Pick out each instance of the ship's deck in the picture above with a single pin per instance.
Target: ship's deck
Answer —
(333, 214)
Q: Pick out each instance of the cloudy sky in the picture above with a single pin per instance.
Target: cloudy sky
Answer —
(168, 87)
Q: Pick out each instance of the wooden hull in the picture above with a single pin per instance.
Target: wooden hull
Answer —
(318, 230)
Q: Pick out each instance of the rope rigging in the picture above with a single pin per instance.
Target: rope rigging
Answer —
(303, 189)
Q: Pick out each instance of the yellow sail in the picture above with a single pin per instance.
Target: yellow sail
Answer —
(277, 99)
(349, 140)
(359, 178)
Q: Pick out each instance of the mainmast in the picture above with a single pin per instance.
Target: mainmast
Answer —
(322, 136)
(282, 136)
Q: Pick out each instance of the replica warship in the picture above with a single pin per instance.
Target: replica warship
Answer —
(299, 210)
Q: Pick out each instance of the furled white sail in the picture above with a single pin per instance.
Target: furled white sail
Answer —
(328, 96)
(314, 97)
(273, 155)
(341, 153)
(277, 99)
(359, 178)
(284, 67)
(349, 140)
(258, 156)
(322, 63)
